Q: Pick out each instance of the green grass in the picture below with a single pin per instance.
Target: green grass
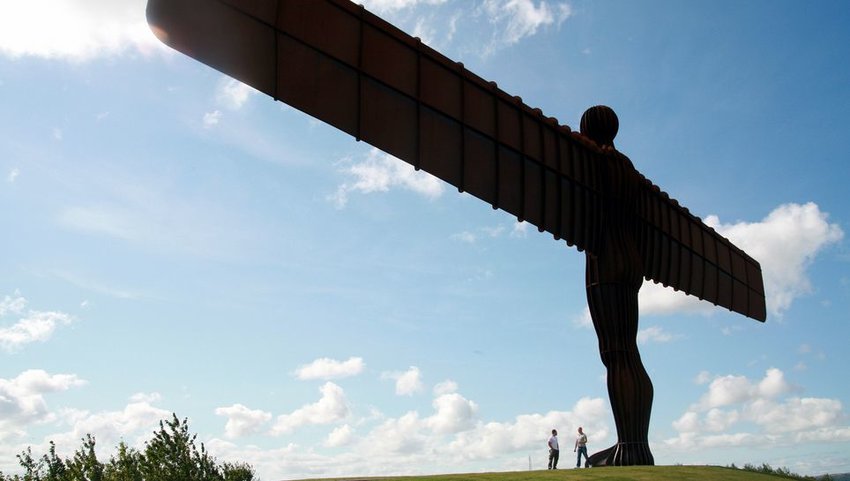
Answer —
(632, 473)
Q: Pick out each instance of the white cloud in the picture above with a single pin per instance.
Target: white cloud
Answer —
(795, 414)
(326, 368)
(13, 175)
(785, 243)
(520, 230)
(656, 299)
(446, 387)
(132, 424)
(736, 402)
(409, 444)
(15, 304)
(728, 390)
(380, 172)
(340, 436)
(702, 378)
(403, 435)
(232, 94)
(654, 334)
(407, 383)
(454, 413)
(22, 398)
(34, 326)
(332, 407)
(529, 431)
(717, 420)
(242, 421)
(211, 119)
(517, 19)
(76, 30)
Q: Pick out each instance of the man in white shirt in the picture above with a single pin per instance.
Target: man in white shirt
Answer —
(553, 450)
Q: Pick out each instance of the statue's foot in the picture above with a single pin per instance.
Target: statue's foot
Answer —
(622, 454)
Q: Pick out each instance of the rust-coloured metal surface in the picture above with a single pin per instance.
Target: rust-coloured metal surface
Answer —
(339, 63)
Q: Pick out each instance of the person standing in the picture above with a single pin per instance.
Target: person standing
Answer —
(553, 450)
(580, 447)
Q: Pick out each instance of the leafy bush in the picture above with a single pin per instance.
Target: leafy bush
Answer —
(171, 455)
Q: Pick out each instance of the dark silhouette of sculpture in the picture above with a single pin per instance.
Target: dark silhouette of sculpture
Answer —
(614, 275)
(341, 64)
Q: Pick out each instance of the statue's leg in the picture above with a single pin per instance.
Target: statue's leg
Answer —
(614, 310)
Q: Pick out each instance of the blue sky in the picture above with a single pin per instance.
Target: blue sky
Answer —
(174, 241)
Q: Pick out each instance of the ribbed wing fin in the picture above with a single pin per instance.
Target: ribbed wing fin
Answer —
(339, 63)
(680, 251)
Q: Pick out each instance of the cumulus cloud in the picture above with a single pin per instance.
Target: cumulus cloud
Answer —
(528, 431)
(453, 413)
(13, 175)
(340, 436)
(132, 424)
(326, 368)
(734, 402)
(407, 383)
(76, 30)
(402, 435)
(409, 444)
(446, 387)
(380, 172)
(727, 390)
(241, 420)
(33, 326)
(22, 399)
(785, 243)
(331, 408)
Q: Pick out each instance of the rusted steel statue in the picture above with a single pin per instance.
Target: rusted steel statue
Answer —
(614, 275)
(334, 60)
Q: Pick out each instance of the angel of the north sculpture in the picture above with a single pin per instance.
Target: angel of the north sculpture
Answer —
(335, 61)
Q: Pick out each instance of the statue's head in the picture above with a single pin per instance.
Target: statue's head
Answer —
(600, 124)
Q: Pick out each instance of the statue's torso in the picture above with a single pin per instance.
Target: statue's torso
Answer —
(617, 259)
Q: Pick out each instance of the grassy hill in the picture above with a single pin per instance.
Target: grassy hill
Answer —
(632, 473)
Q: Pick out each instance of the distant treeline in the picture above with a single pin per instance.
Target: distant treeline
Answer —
(784, 472)
(171, 455)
